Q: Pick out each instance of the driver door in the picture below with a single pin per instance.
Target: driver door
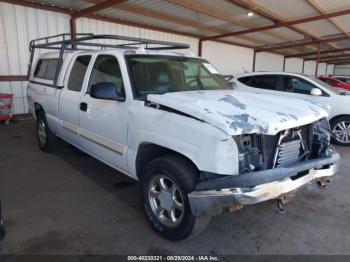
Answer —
(103, 124)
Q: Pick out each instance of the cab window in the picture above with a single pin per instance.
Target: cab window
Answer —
(106, 69)
(46, 68)
(77, 74)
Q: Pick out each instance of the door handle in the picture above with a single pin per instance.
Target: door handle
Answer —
(83, 106)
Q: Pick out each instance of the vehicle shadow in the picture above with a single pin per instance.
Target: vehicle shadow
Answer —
(119, 185)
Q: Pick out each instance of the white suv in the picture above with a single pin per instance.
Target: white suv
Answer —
(173, 123)
(304, 87)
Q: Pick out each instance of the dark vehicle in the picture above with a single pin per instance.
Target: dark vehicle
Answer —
(2, 230)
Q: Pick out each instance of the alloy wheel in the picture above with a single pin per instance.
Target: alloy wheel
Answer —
(342, 131)
(42, 132)
(166, 200)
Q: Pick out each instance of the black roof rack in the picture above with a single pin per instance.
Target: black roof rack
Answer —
(63, 42)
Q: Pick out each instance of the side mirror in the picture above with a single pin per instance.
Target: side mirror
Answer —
(106, 90)
(316, 92)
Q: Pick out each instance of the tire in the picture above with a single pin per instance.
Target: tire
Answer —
(340, 126)
(47, 141)
(163, 180)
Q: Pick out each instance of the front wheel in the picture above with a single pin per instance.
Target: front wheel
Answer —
(341, 129)
(165, 183)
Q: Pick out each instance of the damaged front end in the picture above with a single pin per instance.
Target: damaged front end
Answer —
(260, 152)
(270, 167)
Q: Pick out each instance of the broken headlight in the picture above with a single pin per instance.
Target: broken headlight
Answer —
(321, 138)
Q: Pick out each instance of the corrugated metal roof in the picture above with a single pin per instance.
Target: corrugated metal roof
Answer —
(174, 10)
(321, 28)
(131, 17)
(288, 33)
(222, 16)
(292, 9)
(345, 20)
(334, 5)
(234, 11)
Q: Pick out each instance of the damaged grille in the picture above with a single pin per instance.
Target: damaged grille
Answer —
(259, 152)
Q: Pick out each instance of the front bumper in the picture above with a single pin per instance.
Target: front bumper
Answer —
(211, 196)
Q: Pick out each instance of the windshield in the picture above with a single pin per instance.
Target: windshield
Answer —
(159, 74)
(331, 89)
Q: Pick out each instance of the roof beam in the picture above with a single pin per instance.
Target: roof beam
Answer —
(282, 24)
(343, 63)
(322, 52)
(321, 10)
(329, 57)
(347, 61)
(98, 7)
(335, 59)
(303, 43)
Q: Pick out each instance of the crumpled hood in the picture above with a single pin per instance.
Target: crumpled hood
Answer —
(238, 112)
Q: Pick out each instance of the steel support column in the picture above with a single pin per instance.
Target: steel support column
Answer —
(200, 46)
(302, 69)
(254, 58)
(73, 29)
(318, 58)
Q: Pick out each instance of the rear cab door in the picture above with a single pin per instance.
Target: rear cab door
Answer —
(69, 101)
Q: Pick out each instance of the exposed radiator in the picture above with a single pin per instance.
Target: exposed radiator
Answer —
(287, 153)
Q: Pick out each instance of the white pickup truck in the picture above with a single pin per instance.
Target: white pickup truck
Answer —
(170, 121)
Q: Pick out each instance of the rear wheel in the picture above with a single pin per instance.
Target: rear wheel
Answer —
(47, 141)
(165, 183)
(341, 129)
